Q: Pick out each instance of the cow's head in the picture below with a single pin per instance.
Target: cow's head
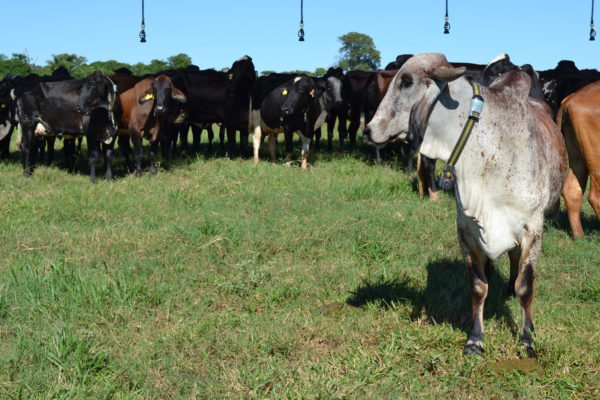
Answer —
(332, 91)
(97, 92)
(405, 109)
(497, 67)
(298, 95)
(241, 75)
(164, 94)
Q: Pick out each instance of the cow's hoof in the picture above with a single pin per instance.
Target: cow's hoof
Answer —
(433, 196)
(288, 163)
(473, 349)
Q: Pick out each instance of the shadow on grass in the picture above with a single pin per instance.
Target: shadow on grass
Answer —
(588, 222)
(445, 298)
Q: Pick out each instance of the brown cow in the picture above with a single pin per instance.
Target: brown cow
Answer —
(579, 118)
(148, 107)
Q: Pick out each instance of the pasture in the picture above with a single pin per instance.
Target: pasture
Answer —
(218, 279)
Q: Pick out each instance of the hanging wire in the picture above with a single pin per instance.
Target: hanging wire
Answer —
(446, 24)
(301, 31)
(592, 31)
(143, 31)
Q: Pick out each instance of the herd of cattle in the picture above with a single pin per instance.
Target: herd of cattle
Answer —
(537, 135)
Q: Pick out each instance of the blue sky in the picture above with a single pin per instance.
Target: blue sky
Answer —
(215, 33)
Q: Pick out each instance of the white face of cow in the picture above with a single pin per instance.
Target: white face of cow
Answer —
(333, 93)
(413, 91)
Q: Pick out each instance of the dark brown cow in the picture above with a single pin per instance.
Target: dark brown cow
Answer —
(579, 118)
(146, 108)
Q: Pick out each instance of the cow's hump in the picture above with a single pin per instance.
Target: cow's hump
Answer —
(517, 83)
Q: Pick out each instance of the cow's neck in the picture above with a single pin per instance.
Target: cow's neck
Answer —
(447, 119)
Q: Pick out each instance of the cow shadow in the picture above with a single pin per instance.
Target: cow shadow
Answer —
(444, 299)
(589, 222)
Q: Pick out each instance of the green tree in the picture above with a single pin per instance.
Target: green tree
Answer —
(18, 64)
(358, 51)
(180, 60)
(76, 65)
(108, 67)
(320, 71)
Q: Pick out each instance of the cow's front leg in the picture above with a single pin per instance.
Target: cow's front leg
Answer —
(478, 288)
(305, 151)
(273, 146)
(153, 152)
(531, 246)
(50, 141)
(27, 143)
(136, 138)
(107, 151)
(289, 145)
(93, 156)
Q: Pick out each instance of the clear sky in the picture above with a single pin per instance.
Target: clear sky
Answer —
(217, 32)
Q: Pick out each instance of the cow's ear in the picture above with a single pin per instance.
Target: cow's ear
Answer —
(178, 95)
(448, 74)
(420, 112)
(147, 96)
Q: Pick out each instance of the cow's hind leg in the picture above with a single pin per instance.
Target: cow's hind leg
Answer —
(530, 251)
(594, 197)
(573, 190)
(69, 150)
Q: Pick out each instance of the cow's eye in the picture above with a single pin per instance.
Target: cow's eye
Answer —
(406, 81)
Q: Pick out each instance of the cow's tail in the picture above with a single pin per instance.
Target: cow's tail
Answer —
(250, 123)
(562, 117)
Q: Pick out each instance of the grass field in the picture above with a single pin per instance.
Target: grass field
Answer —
(218, 279)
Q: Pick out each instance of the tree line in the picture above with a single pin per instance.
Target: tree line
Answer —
(358, 51)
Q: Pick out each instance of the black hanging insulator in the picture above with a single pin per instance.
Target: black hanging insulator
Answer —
(592, 30)
(143, 34)
(143, 31)
(301, 33)
(446, 26)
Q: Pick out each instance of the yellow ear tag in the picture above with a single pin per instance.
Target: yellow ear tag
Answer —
(312, 92)
(149, 96)
(285, 92)
(229, 76)
(3, 105)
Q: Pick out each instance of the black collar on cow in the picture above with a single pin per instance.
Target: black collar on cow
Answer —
(447, 178)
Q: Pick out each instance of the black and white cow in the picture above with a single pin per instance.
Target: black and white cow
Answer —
(77, 107)
(299, 104)
(564, 79)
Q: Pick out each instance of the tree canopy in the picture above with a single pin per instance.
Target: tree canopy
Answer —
(358, 51)
(78, 67)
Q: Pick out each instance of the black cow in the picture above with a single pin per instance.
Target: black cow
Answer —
(299, 104)
(219, 97)
(563, 80)
(501, 65)
(16, 86)
(75, 107)
(7, 114)
(398, 62)
(355, 85)
(336, 112)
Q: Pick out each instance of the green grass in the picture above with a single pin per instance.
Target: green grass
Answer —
(218, 279)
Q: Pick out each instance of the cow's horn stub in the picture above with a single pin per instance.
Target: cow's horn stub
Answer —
(448, 74)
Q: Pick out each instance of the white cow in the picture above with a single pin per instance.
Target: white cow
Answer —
(509, 174)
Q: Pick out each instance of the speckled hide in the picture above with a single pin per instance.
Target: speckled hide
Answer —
(508, 176)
